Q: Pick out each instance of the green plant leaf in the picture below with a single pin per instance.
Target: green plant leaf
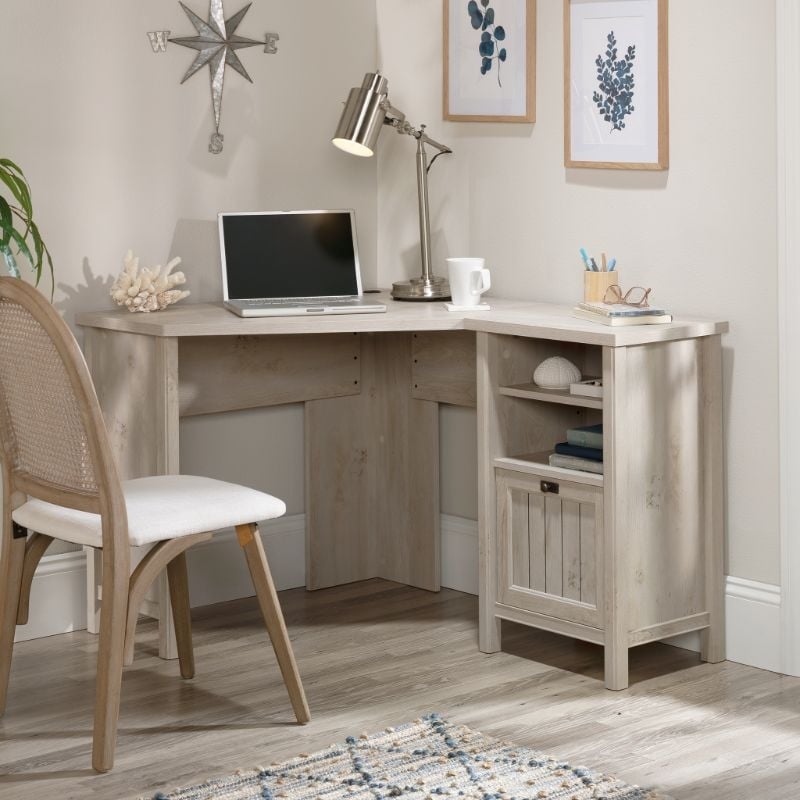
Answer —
(7, 162)
(19, 187)
(38, 244)
(22, 246)
(6, 222)
(21, 195)
(40, 250)
(25, 192)
(26, 220)
(17, 227)
(52, 273)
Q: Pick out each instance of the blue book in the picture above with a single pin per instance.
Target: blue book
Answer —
(570, 462)
(586, 436)
(567, 449)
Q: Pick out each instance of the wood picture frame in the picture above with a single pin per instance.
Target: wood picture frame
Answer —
(618, 78)
(505, 91)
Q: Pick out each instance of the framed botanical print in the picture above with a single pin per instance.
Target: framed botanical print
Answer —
(490, 60)
(616, 85)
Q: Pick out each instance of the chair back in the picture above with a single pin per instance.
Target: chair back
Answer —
(53, 441)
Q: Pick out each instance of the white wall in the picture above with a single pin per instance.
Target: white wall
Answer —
(702, 234)
(116, 153)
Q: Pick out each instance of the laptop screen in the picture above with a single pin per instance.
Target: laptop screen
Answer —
(289, 254)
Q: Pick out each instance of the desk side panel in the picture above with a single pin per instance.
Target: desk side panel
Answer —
(340, 501)
(443, 367)
(713, 639)
(405, 432)
(227, 373)
(660, 500)
(136, 380)
(489, 447)
(372, 476)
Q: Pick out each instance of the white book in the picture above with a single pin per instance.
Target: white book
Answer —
(589, 387)
(651, 319)
(621, 310)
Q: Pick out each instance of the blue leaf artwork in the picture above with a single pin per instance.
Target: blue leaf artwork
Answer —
(615, 76)
(482, 19)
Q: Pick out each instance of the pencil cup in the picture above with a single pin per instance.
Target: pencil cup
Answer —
(596, 283)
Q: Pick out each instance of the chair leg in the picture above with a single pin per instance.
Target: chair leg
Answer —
(250, 541)
(11, 565)
(178, 580)
(150, 567)
(35, 548)
(109, 660)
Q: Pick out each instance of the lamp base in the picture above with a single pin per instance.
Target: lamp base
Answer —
(420, 289)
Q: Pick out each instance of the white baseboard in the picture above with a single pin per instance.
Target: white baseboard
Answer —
(753, 623)
(217, 572)
(58, 597)
(459, 554)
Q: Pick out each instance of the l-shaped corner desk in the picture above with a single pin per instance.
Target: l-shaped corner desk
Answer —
(620, 559)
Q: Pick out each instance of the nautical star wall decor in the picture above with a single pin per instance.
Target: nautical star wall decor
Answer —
(216, 43)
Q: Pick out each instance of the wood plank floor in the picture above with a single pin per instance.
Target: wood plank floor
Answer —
(374, 654)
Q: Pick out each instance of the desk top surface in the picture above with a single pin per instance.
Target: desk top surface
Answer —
(512, 317)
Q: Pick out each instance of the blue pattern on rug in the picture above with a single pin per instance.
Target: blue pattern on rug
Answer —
(422, 760)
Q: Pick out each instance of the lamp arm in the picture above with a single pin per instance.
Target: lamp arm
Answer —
(397, 120)
(442, 148)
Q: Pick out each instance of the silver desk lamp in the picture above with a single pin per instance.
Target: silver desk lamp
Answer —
(366, 112)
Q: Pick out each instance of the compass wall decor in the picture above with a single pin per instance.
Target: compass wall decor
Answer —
(216, 42)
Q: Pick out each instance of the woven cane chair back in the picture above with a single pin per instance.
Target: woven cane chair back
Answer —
(53, 441)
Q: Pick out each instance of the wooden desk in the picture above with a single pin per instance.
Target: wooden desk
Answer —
(371, 385)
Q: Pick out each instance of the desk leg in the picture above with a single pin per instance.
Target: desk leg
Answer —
(405, 436)
(489, 626)
(136, 379)
(713, 637)
(372, 476)
(340, 512)
(616, 511)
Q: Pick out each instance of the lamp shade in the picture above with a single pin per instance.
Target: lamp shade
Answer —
(363, 116)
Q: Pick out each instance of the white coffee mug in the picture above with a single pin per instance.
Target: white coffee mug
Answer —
(468, 280)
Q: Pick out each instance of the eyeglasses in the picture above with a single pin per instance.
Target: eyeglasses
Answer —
(635, 296)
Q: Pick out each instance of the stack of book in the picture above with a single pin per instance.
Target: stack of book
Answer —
(583, 450)
(621, 314)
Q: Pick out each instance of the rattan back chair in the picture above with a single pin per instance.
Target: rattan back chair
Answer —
(59, 473)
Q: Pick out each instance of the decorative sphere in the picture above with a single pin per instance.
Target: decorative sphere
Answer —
(556, 373)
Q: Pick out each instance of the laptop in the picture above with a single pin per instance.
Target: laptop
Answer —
(292, 263)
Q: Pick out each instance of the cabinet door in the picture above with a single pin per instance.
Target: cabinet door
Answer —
(550, 546)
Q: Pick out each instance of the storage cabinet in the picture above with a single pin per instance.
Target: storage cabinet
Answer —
(549, 534)
(621, 558)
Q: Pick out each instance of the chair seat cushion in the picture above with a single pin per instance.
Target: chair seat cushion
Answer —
(159, 508)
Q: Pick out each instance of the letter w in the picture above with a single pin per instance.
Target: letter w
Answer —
(158, 40)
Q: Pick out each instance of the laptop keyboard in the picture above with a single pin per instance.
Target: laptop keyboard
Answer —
(299, 301)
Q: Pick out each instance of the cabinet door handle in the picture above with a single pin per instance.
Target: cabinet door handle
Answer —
(548, 487)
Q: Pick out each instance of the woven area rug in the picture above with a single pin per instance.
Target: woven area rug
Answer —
(423, 760)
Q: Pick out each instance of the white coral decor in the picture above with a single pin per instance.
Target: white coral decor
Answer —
(147, 289)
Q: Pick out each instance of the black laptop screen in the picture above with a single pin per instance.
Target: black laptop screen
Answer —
(303, 254)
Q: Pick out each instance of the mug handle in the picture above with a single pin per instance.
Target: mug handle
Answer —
(485, 282)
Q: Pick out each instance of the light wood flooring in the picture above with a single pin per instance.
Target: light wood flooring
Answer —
(374, 654)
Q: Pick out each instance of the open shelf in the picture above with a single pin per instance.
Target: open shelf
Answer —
(531, 391)
(537, 464)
